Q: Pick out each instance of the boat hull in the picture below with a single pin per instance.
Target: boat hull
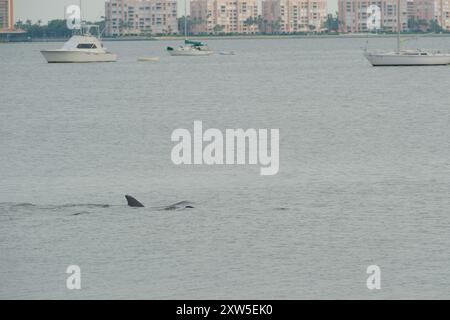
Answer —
(199, 53)
(60, 56)
(407, 60)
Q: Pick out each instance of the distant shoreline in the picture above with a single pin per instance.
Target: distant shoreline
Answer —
(257, 37)
(317, 36)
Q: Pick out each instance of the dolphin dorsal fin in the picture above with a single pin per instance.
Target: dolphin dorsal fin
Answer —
(132, 202)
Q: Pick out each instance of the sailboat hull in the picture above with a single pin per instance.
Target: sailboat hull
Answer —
(396, 59)
(180, 52)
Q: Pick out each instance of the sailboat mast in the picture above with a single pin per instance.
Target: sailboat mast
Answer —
(81, 18)
(185, 20)
(398, 25)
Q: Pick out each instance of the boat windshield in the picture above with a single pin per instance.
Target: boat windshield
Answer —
(86, 46)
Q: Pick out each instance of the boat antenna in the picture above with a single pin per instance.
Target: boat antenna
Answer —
(367, 40)
(100, 35)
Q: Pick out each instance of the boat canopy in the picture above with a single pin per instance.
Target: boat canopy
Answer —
(195, 43)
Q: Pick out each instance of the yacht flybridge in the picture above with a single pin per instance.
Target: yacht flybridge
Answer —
(81, 48)
(407, 57)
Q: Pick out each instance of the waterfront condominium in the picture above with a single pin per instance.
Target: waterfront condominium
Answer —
(424, 9)
(6, 15)
(224, 16)
(141, 17)
(292, 16)
(430, 10)
(442, 13)
(353, 15)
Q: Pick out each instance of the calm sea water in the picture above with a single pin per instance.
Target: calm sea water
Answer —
(364, 174)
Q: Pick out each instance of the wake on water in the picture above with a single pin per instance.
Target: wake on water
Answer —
(83, 208)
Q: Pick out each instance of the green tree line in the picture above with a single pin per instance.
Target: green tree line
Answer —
(58, 28)
(54, 29)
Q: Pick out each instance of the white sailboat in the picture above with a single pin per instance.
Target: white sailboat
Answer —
(80, 48)
(190, 48)
(406, 57)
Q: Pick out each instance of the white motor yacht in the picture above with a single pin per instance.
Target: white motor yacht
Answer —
(80, 48)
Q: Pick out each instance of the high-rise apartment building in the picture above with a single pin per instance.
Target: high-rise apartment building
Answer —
(424, 9)
(137, 17)
(353, 15)
(6, 14)
(291, 16)
(411, 10)
(228, 16)
(429, 10)
(442, 13)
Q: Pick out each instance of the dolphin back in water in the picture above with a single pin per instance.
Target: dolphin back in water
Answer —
(132, 202)
(180, 205)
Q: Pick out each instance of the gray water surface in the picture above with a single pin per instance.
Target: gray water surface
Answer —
(364, 174)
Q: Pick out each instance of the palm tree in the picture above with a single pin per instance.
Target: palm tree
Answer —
(435, 27)
(259, 21)
(218, 28)
(332, 23)
(129, 25)
(19, 24)
(249, 21)
(276, 26)
(121, 26)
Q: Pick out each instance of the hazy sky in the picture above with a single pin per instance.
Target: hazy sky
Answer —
(92, 9)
